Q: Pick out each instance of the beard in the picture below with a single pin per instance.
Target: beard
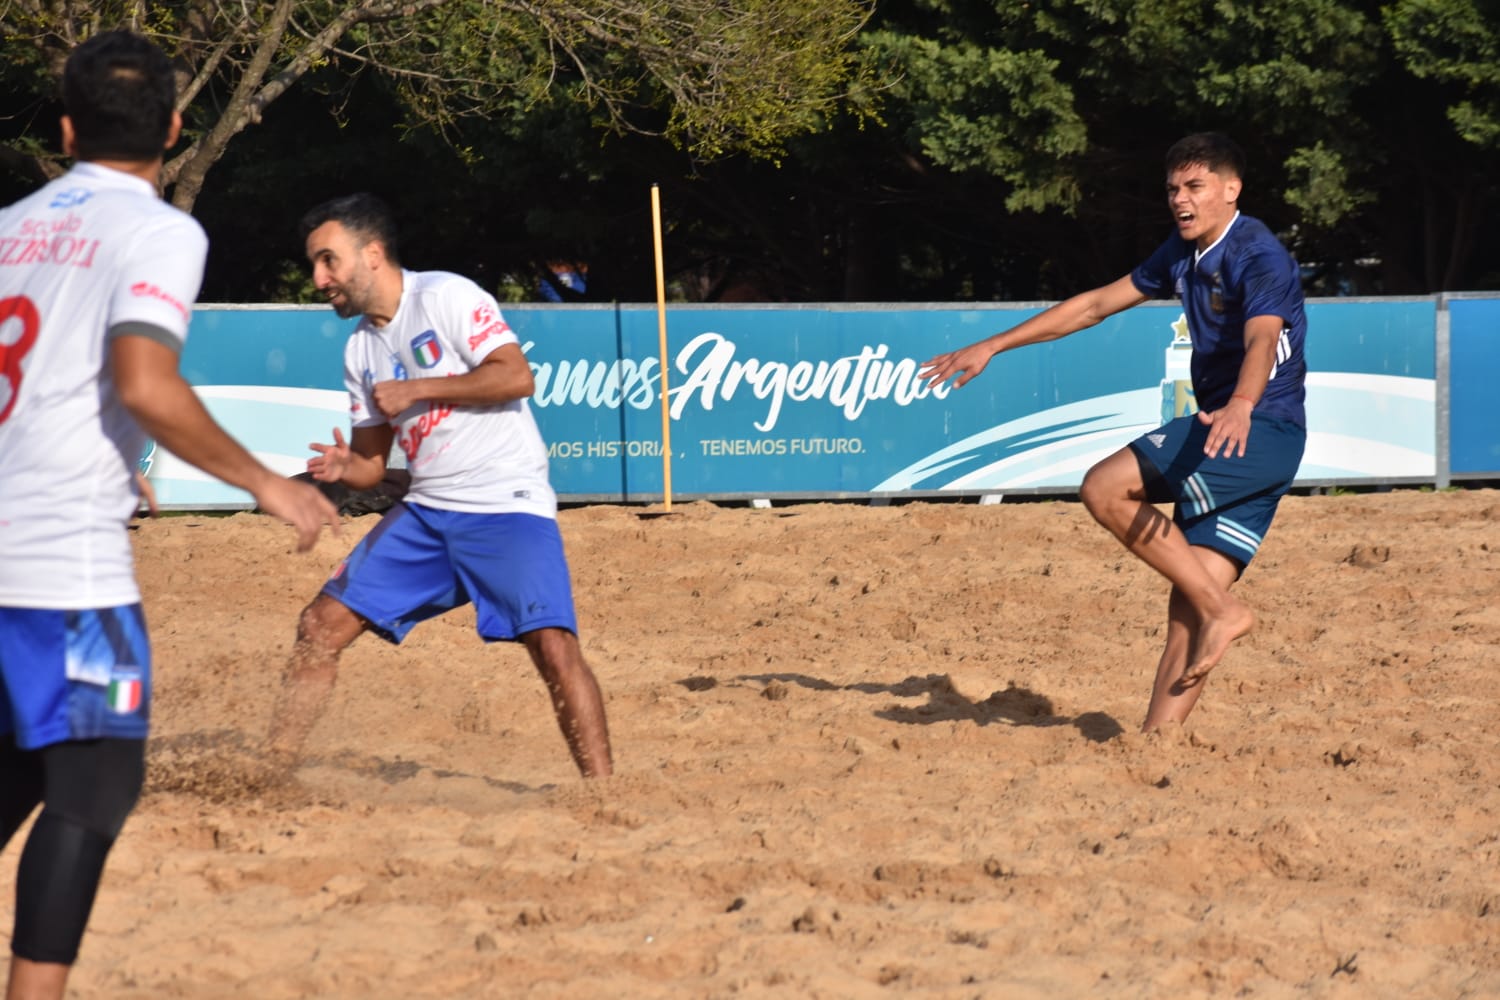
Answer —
(351, 300)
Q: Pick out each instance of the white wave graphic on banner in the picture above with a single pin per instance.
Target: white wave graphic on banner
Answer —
(275, 423)
(1358, 426)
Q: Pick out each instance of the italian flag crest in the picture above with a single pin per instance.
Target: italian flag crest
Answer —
(426, 349)
(125, 691)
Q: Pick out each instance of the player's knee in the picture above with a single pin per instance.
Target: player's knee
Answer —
(95, 784)
(1095, 491)
(555, 651)
(326, 627)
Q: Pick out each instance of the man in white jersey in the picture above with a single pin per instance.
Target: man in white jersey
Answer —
(432, 366)
(97, 281)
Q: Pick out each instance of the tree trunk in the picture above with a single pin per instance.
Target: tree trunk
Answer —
(242, 109)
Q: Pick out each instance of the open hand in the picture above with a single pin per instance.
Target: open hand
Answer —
(961, 365)
(301, 505)
(332, 460)
(1228, 428)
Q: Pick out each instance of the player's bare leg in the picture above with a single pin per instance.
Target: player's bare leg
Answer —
(1170, 701)
(1114, 494)
(1172, 697)
(36, 980)
(325, 628)
(576, 698)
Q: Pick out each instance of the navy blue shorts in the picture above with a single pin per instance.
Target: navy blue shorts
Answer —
(1222, 503)
(74, 675)
(419, 562)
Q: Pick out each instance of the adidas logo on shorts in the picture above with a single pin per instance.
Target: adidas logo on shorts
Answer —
(1157, 439)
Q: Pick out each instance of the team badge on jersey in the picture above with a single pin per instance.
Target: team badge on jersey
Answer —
(427, 349)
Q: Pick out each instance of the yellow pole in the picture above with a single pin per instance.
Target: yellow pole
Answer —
(661, 323)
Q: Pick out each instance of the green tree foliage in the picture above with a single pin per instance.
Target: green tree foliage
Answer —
(1022, 148)
(1454, 42)
(943, 150)
(715, 77)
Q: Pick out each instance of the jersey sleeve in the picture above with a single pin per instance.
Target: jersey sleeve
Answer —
(1272, 286)
(359, 380)
(159, 277)
(473, 324)
(1153, 276)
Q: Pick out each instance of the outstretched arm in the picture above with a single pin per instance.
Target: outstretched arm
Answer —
(164, 404)
(1069, 316)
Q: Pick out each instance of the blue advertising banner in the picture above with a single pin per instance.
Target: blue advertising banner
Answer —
(825, 401)
(273, 377)
(822, 401)
(1371, 391)
(1474, 356)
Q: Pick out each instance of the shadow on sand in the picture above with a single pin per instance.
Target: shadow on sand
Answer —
(1015, 706)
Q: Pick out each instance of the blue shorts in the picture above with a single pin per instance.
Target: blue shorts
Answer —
(419, 562)
(1222, 503)
(74, 675)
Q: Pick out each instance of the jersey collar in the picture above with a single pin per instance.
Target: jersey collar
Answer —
(1198, 255)
(114, 178)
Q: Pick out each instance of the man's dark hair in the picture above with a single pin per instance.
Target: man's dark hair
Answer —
(366, 217)
(1214, 150)
(119, 90)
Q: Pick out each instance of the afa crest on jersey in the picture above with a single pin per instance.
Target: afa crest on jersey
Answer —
(426, 349)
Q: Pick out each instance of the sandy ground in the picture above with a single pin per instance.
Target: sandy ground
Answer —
(862, 752)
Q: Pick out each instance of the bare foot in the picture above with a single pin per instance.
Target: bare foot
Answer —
(1213, 639)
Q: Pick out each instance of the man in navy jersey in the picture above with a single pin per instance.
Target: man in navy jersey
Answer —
(1226, 467)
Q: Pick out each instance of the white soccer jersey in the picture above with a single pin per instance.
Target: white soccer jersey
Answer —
(93, 252)
(483, 459)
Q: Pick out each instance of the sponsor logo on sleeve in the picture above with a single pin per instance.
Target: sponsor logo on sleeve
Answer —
(487, 323)
(146, 290)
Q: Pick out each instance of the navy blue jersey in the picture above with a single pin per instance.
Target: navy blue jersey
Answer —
(1246, 273)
